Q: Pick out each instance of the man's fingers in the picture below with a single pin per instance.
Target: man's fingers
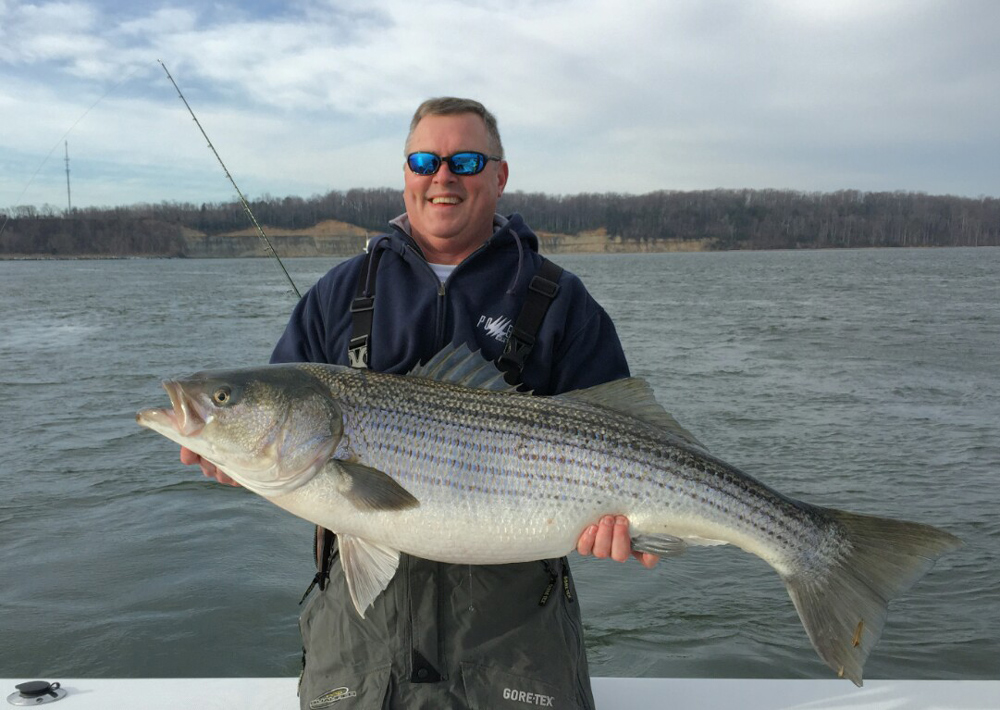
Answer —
(585, 545)
(605, 535)
(648, 559)
(190, 458)
(610, 538)
(211, 471)
(621, 543)
(221, 477)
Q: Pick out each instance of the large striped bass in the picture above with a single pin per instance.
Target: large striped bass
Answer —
(449, 464)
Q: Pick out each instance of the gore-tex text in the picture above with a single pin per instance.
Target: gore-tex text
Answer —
(522, 696)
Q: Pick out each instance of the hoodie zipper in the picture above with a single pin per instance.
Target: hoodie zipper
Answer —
(442, 291)
(441, 314)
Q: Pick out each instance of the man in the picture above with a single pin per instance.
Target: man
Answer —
(452, 271)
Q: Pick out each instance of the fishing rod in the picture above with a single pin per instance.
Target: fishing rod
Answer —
(246, 205)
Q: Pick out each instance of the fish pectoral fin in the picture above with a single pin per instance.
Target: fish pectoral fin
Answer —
(368, 568)
(369, 489)
(658, 544)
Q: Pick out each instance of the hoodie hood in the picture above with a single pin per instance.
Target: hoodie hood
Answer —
(506, 231)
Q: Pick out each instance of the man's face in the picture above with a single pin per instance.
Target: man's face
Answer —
(451, 215)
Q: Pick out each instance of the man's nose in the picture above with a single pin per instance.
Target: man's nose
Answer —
(444, 173)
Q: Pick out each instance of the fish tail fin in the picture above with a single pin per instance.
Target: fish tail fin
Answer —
(843, 608)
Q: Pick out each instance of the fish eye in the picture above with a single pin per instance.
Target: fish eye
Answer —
(222, 395)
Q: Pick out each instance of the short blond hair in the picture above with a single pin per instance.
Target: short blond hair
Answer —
(449, 106)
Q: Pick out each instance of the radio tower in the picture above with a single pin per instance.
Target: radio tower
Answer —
(69, 202)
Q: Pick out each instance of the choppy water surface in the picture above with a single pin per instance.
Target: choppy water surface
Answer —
(866, 380)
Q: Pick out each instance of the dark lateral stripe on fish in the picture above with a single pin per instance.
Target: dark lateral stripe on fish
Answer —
(733, 488)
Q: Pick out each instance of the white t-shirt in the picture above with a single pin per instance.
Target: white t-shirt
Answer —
(443, 271)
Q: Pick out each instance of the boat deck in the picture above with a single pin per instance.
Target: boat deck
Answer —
(610, 694)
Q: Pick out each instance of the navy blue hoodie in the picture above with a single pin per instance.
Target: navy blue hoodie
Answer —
(416, 315)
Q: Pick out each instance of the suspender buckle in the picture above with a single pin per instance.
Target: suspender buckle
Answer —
(362, 304)
(362, 310)
(357, 352)
(516, 349)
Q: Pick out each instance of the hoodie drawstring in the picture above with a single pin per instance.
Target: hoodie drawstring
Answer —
(520, 260)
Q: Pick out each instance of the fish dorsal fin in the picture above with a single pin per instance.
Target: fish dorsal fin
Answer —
(458, 365)
(633, 396)
(368, 569)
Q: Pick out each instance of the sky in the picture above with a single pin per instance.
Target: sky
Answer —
(627, 96)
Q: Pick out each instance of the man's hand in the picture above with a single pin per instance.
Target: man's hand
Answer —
(610, 538)
(190, 458)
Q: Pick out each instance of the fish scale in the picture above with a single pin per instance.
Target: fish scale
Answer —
(451, 465)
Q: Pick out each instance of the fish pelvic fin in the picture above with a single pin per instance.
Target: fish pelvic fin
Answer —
(368, 569)
(843, 610)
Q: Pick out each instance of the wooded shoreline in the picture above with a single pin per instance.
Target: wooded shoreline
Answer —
(338, 223)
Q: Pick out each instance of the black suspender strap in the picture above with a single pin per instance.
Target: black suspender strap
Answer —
(541, 292)
(323, 550)
(363, 310)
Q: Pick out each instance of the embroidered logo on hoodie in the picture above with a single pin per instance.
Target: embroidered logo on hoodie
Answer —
(498, 328)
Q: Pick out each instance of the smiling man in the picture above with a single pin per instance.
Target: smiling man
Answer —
(452, 270)
(452, 215)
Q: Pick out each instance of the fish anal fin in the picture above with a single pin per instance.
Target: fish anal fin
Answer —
(368, 568)
(633, 396)
(370, 490)
(658, 544)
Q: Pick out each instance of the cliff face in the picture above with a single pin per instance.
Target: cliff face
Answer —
(325, 239)
(224, 247)
(600, 242)
(339, 239)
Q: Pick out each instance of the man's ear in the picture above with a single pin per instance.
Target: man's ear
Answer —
(503, 172)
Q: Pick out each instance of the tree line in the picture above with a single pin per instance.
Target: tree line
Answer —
(107, 234)
(722, 219)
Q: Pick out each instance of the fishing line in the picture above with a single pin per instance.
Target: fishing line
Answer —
(63, 138)
(246, 205)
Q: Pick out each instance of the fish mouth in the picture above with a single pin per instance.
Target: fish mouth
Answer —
(182, 417)
(187, 419)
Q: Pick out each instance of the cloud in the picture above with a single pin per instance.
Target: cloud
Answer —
(591, 94)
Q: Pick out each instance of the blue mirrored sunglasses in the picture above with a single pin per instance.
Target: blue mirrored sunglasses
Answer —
(466, 163)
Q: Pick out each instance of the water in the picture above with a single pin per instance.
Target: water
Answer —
(859, 379)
